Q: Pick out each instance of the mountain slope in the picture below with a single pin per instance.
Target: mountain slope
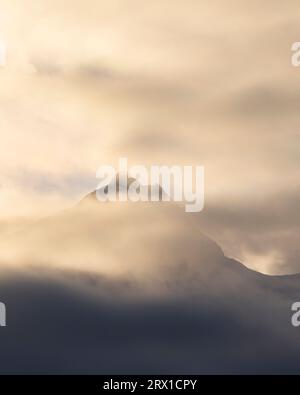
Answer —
(137, 288)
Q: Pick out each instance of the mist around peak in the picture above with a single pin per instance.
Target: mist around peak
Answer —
(128, 288)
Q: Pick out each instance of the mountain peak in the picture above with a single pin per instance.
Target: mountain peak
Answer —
(122, 184)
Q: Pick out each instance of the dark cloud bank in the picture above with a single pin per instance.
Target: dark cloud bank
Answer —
(206, 314)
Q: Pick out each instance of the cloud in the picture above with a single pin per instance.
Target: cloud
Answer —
(209, 84)
(258, 231)
(101, 288)
(75, 323)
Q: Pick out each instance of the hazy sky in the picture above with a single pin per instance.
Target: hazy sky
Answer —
(162, 82)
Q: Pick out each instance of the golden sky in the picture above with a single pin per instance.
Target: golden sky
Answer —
(160, 82)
